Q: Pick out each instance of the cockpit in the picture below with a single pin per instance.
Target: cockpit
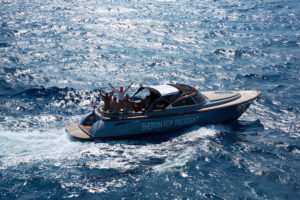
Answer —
(162, 97)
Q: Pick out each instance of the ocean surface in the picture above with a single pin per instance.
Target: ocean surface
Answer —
(56, 54)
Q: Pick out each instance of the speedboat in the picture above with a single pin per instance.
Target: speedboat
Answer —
(168, 108)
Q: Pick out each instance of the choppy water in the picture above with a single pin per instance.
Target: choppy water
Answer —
(54, 55)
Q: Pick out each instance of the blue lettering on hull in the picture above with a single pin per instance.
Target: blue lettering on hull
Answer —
(164, 124)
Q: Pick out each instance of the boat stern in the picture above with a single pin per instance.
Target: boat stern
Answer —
(77, 131)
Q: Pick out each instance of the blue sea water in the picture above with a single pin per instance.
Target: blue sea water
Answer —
(54, 55)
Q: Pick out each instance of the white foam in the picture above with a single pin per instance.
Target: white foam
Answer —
(186, 147)
(56, 145)
(34, 146)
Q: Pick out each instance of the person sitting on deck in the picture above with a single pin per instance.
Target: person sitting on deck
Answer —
(121, 92)
(127, 104)
(146, 102)
(115, 106)
(107, 99)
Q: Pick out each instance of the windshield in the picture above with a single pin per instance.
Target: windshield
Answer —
(184, 102)
(142, 94)
(198, 98)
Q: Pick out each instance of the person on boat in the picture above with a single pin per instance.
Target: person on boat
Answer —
(121, 92)
(127, 105)
(146, 102)
(115, 106)
(107, 99)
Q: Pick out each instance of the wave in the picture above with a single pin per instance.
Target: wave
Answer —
(5, 88)
(266, 77)
(26, 106)
(20, 78)
(53, 94)
(13, 70)
(43, 92)
(4, 44)
(238, 53)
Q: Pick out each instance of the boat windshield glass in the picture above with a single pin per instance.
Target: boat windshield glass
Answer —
(184, 102)
(142, 94)
(169, 98)
(198, 98)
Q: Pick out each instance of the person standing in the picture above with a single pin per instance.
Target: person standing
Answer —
(121, 92)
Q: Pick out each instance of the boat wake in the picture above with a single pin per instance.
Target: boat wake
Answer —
(56, 148)
(187, 147)
(55, 145)
(28, 157)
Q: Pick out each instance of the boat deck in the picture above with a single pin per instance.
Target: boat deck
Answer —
(219, 95)
(246, 96)
(76, 131)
